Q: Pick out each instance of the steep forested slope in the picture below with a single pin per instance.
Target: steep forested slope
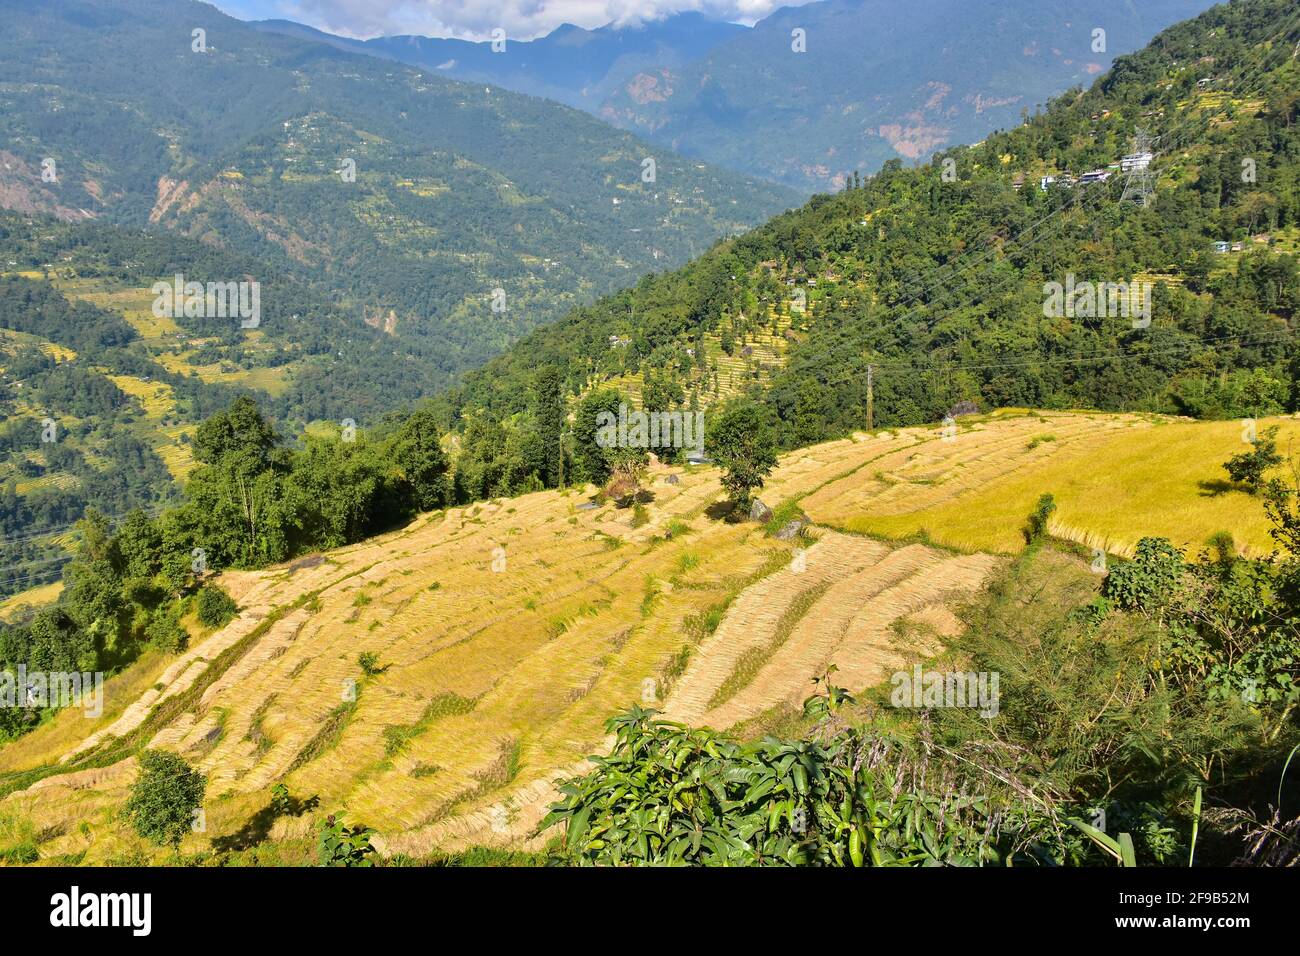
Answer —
(938, 276)
(100, 397)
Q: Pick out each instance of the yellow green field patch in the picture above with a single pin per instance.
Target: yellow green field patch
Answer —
(1111, 488)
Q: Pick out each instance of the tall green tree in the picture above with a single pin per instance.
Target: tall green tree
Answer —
(743, 442)
(591, 461)
(239, 430)
(549, 413)
(417, 451)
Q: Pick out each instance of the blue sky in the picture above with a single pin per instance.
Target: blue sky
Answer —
(475, 19)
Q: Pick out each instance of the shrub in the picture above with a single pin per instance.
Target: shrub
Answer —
(1249, 467)
(341, 845)
(164, 798)
(1036, 526)
(670, 795)
(165, 633)
(215, 607)
(1148, 582)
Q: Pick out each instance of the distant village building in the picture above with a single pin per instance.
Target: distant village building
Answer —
(1094, 176)
(1221, 246)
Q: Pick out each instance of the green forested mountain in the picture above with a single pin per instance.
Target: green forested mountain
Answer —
(249, 141)
(938, 281)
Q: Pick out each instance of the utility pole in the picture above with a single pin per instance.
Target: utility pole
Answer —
(1140, 185)
(871, 400)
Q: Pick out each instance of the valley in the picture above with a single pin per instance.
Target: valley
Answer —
(982, 548)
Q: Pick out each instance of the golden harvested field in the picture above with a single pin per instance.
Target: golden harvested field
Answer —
(33, 597)
(507, 632)
(9, 339)
(1115, 478)
(273, 381)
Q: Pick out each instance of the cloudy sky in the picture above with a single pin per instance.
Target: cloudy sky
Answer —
(475, 19)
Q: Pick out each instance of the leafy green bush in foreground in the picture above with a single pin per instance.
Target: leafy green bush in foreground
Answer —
(668, 794)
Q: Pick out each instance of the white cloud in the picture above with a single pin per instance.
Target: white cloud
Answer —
(475, 19)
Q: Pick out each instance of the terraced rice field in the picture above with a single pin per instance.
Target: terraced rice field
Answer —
(161, 427)
(508, 632)
(1115, 478)
(134, 303)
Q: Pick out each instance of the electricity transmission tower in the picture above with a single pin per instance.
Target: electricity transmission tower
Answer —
(1140, 185)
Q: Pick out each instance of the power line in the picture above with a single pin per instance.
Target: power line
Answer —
(1114, 355)
(61, 530)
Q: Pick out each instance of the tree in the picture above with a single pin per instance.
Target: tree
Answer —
(591, 461)
(240, 429)
(1249, 467)
(139, 542)
(417, 450)
(164, 798)
(549, 413)
(239, 516)
(93, 590)
(743, 443)
(238, 501)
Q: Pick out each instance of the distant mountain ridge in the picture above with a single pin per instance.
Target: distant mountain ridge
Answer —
(573, 65)
(871, 85)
